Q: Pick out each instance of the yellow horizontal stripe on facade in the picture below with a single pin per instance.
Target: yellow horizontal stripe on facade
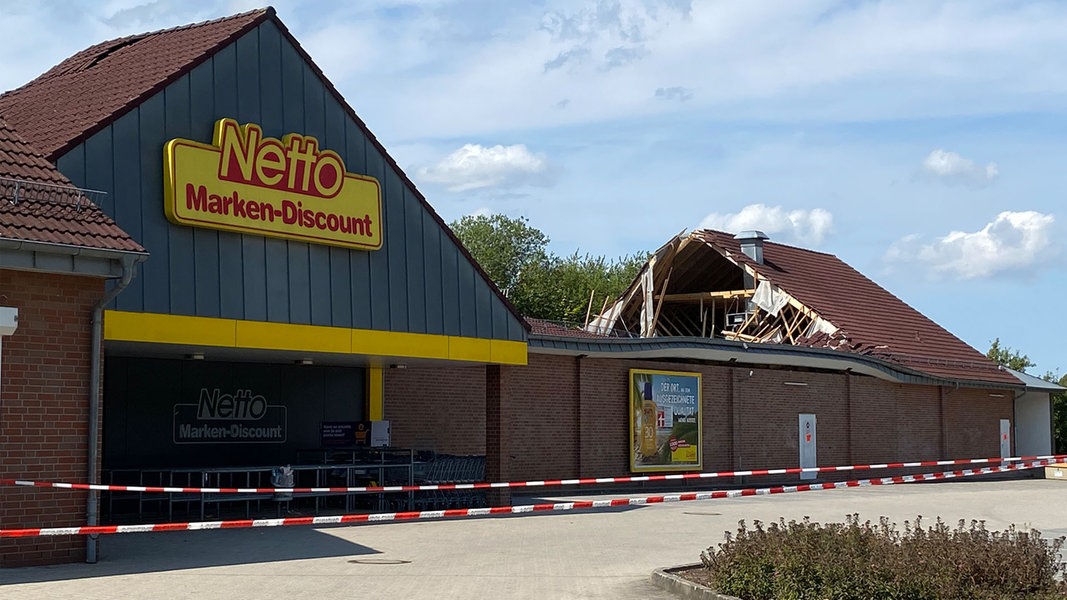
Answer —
(232, 333)
(461, 348)
(169, 329)
(285, 336)
(394, 343)
(506, 352)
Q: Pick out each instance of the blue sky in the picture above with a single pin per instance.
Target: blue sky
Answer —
(921, 141)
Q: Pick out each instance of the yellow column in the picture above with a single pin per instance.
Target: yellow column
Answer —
(375, 394)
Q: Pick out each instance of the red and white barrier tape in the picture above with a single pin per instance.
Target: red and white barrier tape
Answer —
(520, 484)
(499, 510)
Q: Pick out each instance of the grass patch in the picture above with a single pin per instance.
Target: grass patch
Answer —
(865, 560)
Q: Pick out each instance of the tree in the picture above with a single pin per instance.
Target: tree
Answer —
(540, 284)
(562, 289)
(504, 247)
(1059, 414)
(1009, 358)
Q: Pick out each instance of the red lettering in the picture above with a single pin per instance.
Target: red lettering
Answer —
(195, 200)
(289, 212)
(293, 164)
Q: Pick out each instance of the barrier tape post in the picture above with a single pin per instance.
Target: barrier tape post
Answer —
(478, 512)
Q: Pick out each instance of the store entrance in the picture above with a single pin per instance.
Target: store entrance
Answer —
(197, 413)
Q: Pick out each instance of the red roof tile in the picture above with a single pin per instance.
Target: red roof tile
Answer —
(48, 208)
(871, 320)
(546, 327)
(84, 93)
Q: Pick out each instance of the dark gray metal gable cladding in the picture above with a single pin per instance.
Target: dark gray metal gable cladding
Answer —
(728, 352)
(420, 281)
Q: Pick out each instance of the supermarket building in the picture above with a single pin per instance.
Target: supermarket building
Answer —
(271, 269)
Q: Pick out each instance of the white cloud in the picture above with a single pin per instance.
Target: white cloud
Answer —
(1014, 242)
(953, 168)
(809, 227)
(451, 69)
(743, 60)
(484, 211)
(678, 93)
(474, 166)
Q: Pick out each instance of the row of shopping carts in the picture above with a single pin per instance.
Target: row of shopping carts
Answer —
(447, 468)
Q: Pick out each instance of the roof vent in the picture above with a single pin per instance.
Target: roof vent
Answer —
(752, 244)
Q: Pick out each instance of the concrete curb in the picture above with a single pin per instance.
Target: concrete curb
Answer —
(665, 578)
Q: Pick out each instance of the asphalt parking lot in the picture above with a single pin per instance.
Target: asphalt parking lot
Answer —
(567, 554)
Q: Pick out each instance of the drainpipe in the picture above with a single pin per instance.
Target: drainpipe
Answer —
(129, 266)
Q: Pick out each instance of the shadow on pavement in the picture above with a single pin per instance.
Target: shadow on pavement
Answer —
(132, 553)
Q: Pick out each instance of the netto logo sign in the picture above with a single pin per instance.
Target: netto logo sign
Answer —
(248, 182)
(240, 406)
(240, 417)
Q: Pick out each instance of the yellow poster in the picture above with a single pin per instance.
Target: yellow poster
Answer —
(665, 430)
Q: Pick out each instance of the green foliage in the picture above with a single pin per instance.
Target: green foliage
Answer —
(853, 560)
(1007, 357)
(560, 288)
(506, 248)
(1059, 414)
(540, 284)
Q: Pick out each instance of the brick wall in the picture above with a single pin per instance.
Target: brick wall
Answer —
(974, 417)
(44, 407)
(874, 420)
(439, 409)
(543, 437)
(769, 411)
(917, 423)
(563, 416)
(604, 425)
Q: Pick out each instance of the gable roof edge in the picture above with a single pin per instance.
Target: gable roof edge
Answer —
(391, 162)
(136, 101)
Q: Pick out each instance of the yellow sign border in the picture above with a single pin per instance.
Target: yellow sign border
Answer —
(171, 197)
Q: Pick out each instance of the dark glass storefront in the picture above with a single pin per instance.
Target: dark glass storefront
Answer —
(181, 413)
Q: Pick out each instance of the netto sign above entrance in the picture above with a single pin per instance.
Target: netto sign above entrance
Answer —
(240, 417)
(287, 188)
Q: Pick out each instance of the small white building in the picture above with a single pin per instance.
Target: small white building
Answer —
(1034, 433)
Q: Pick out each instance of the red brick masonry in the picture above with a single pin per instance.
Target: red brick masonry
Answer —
(44, 407)
(566, 416)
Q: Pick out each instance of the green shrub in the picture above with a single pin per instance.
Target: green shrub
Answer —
(854, 560)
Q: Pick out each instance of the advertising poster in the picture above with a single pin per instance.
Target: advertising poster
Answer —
(664, 421)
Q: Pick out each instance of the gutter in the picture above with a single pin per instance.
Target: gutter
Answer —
(67, 249)
(129, 268)
(726, 351)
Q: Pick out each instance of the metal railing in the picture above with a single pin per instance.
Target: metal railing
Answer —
(20, 190)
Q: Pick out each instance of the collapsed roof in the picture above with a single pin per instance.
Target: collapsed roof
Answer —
(712, 284)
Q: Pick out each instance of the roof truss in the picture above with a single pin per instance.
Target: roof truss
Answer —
(691, 288)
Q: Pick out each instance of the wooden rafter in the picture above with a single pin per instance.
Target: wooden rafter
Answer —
(701, 296)
(659, 305)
